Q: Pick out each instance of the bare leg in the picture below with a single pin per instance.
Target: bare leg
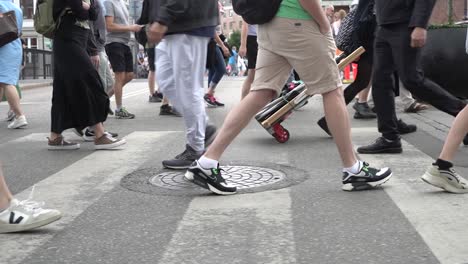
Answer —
(99, 130)
(363, 95)
(120, 81)
(248, 83)
(5, 194)
(237, 119)
(337, 118)
(13, 99)
(455, 136)
(152, 82)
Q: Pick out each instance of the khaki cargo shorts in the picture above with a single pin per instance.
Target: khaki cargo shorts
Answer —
(286, 44)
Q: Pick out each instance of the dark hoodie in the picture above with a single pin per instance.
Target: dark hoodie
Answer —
(183, 15)
(415, 13)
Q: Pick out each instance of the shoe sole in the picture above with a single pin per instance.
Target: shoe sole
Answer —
(190, 176)
(72, 147)
(363, 117)
(18, 228)
(18, 127)
(176, 167)
(110, 146)
(360, 186)
(124, 117)
(436, 182)
(385, 151)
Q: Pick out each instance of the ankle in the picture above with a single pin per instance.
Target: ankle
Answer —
(443, 164)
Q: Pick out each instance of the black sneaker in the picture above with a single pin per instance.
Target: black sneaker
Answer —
(465, 140)
(382, 145)
(154, 99)
(88, 135)
(210, 179)
(210, 134)
(404, 128)
(323, 125)
(367, 178)
(209, 101)
(217, 103)
(168, 110)
(183, 160)
(159, 95)
(363, 111)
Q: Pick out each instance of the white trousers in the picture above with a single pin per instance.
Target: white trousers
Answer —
(180, 65)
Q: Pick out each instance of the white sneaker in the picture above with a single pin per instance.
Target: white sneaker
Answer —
(25, 215)
(18, 122)
(449, 180)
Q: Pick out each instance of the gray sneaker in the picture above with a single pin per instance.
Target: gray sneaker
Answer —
(123, 114)
(183, 160)
(449, 180)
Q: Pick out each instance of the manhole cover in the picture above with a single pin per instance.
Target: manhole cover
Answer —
(246, 178)
(240, 176)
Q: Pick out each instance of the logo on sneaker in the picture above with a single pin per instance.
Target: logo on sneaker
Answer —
(12, 219)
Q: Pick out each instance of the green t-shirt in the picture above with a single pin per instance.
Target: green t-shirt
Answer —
(292, 9)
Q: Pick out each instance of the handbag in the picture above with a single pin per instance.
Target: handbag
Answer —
(344, 39)
(8, 28)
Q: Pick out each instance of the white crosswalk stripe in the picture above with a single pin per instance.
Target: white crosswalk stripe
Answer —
(439, 217)
(76, 187)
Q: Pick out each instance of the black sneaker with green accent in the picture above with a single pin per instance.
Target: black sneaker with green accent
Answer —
(210, 179)
(367, 178)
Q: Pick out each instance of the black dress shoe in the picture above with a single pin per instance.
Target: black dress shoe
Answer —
(382, 145)
(404, 128)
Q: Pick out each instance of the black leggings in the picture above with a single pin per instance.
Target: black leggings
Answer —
(363, 78)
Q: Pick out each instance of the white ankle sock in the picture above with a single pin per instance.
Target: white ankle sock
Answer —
(355, 168)
(207, 163)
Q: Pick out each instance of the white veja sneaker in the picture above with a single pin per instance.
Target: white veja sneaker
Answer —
(18, 122)
(25, 215)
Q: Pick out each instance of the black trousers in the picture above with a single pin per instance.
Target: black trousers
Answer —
(392, 51)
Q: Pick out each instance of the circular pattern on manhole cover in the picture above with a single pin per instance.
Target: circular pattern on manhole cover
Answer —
(246, 178)
(240, 176)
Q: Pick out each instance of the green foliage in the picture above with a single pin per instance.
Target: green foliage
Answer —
(437, 26)
(234, 39)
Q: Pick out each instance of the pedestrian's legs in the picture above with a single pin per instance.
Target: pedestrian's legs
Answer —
(405, 96)
(152, 82)
(120, 81)
(218, 73)
(5, 194)
(383, 86)
(237, 119)
(455, 136)
(339, 125)
(408, 61)
(364, 95)
(363, 78)
(12, 98)
(248, 82)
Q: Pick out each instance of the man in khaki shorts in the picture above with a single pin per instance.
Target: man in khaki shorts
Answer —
(298, 37)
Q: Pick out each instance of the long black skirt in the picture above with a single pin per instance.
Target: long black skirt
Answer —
(78, 98)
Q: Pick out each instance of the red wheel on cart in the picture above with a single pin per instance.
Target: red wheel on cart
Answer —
(282, 137)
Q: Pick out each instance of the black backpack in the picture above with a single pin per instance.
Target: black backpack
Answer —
(256, 11)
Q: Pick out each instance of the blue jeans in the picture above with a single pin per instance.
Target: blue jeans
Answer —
(217, 70)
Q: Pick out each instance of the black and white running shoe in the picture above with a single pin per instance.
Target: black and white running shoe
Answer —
(210, 179)
(367, 178)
